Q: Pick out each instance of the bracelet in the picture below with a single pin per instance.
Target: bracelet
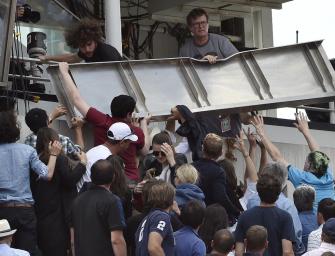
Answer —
(53, 155)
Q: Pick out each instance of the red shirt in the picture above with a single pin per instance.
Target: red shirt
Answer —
(101, 123)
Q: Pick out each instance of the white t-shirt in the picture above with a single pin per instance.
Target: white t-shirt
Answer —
(93, 155)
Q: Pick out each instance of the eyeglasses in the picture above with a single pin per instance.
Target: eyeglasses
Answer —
(156, 153)
(199, 24)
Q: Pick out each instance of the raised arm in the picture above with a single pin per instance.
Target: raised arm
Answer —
(58, 111)
(77, 125)
(264, 156)
(67, 57)
(273, 151)
(55, 149)
(147, 139)
(250, 168)
(72, 90)
(252, 145)
(302, 126)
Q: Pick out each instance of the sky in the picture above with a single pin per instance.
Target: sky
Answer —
(314, 19)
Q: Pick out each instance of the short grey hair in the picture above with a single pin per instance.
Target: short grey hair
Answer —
(277, 170)
(304, 197)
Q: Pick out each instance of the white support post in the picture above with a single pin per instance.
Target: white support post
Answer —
(113, 24)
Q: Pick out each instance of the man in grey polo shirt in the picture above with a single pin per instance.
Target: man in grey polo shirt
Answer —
(204, 45)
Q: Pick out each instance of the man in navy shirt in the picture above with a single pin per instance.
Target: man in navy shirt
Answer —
(188, 242)
(154, 235)
(278, 222)
(213, 177)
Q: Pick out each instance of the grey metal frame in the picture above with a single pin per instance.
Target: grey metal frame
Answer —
(7, 38)
(253, 80)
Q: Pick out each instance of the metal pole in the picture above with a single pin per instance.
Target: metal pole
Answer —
(297, 36)
(332, 112)
(113, 24)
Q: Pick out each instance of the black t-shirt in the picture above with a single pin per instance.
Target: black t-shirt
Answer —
(278, 223)
(103, 52)
(95, 214)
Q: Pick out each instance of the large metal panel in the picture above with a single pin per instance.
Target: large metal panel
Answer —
(258, 79)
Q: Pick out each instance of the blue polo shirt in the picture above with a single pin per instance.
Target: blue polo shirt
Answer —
(188, 243)
(156, 221)
(324, 186)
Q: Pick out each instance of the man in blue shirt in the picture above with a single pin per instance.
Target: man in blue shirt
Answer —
(187, 239)
(154, 235)
(17, 161)
(304, 197)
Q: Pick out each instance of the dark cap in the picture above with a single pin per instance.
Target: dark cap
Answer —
(329, 228)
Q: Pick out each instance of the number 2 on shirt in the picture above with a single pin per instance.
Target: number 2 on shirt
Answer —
(161, 225)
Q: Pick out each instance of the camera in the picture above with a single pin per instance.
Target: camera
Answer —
(29, 15)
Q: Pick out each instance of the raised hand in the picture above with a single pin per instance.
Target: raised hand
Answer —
(146, 119)
(135, 121)
(258, 123)
(58, 111)
(251, 138)
(55, 148)
(168, 151)
(77, 122)
(63, 67)
(239, 144)
(302, 123)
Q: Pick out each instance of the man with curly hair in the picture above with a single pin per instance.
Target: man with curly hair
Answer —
(87, 36)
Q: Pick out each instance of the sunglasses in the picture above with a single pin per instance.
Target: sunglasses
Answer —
(156, 153)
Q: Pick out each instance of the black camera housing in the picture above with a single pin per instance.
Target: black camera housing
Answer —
(29, 15)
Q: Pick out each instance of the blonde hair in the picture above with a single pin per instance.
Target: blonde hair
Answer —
(186, 173)
(161, 195)
(212, 146)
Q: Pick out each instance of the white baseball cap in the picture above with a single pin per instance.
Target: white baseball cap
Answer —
(5, 229)
(121, 131)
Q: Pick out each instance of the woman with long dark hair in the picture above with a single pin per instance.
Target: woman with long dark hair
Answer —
(232, 189)
(119, 186)
(166, 160)
(216, 218)
(53, 198)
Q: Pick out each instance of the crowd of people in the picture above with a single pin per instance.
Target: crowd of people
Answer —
(133, 194)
